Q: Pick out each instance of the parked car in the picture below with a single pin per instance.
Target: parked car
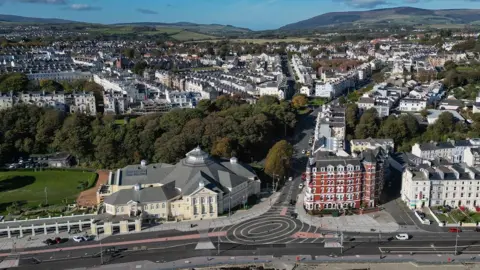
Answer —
(402, 236)
(49, 242)
(79, 239)
(455, 230)
(476, 229)
(290, 178)
(303, 151)
(300, 186)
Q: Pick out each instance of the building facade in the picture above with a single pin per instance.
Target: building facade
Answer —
(197, 187)
(455, 185)
(337, 182)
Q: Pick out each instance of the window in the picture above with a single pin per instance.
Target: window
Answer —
(173, 205)
(322, 169)
(163, 205)
(314, 170)
(210, 199)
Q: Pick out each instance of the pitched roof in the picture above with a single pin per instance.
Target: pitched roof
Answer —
(146, 195)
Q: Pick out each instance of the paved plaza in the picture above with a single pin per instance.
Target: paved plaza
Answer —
(373, 222)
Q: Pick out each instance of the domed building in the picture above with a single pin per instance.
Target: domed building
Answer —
(197, 187)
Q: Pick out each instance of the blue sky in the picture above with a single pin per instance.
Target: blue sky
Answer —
(254, 14)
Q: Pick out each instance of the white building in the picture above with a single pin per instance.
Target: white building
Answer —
(453, 151)
(83, 103)
(412, 105)
(454, 185)
(60, 76)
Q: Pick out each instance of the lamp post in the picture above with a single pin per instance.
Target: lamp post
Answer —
(456, 241)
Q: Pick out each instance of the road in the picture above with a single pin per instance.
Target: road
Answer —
(274, 233)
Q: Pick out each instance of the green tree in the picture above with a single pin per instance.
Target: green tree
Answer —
(129, 53)
(368, 125)
(15, 82)
(140, 67)
(50, 86)
(278, 159)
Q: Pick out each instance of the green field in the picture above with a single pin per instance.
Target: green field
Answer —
(28, 187)
(176, 33)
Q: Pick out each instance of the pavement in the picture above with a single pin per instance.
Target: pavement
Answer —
(380, 221)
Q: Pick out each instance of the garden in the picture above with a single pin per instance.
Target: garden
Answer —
(42, 193)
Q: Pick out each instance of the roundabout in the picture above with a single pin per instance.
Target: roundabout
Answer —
(264, 230)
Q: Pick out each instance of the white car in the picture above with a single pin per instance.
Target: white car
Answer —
(79, 239)
(402, 236)
(290, 178)
(303, 151)
(300, 186)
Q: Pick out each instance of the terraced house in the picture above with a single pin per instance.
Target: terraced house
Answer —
(197, 187)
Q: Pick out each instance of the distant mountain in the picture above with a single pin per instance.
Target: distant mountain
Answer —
(20, 19)
(398, 15)
(209, 29)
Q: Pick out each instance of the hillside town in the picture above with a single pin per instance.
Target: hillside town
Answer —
(339, 139)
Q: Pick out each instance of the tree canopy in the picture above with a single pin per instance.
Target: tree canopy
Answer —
(278, 159)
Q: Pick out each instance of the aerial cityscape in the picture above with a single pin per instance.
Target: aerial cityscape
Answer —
(266, 134)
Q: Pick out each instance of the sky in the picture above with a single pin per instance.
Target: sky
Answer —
(253, 14)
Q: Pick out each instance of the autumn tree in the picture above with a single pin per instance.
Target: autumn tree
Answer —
(223, 148)
(278, 159)
(299, 101)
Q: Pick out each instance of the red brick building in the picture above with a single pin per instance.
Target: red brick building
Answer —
(336, 182)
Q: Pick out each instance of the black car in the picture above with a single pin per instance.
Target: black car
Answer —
(49, 242)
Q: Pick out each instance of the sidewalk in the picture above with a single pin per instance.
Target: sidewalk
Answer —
(237, 217)
(201, 225)
(304, 262)
(379, 221)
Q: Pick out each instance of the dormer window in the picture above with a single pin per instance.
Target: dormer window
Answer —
(322, 169)
(314, 170)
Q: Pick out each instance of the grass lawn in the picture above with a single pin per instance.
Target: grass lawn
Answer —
(304, 111)
(317, 101)
(28, 187)
(443, 217)
(475, 216)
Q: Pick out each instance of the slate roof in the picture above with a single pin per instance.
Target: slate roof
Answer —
(145, 195)
(186, 175)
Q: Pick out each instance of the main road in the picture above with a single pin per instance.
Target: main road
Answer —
(277, 233)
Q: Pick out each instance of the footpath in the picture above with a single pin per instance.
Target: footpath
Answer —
(380, 221)
(19, 244)
(305, 262)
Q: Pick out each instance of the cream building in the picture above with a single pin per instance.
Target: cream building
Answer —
(197, 187)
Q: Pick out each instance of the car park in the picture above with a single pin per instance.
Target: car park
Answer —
(402, 236)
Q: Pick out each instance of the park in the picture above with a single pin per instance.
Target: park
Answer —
(29, 193)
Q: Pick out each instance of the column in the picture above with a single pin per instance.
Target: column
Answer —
(56, 228)
(45, 228)
(138, 225)
(8, 232)
(80, 225)
(107, 228)
(93, 228)
(68, 225)
(123, 226)
(21, 232)
(33, 230)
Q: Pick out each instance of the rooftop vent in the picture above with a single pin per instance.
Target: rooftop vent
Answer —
(233, 160)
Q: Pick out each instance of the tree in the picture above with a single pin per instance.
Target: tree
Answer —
(342, 100)
(223, 148)
(351, 118)
(139, 67)
(368, 125)
(299, 101)
(278, 159)
(129, 53)
(15, 82)
(50, 86)
(424, 113)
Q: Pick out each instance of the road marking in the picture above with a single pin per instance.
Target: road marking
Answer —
(145, 241)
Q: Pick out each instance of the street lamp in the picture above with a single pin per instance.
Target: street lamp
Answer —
(456, 241)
